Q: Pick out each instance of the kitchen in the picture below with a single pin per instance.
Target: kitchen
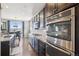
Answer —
(52, 31)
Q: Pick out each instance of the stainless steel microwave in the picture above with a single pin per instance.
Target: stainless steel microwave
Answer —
(61, 30)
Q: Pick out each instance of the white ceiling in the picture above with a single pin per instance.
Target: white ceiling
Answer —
(20, 11)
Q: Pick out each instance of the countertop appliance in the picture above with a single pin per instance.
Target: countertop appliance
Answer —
(61, 30)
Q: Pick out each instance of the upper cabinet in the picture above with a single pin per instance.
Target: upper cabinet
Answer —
(63, 6)
(53, 8)
(39, 20)
(50, 8)
(42, 18)
(36, 22)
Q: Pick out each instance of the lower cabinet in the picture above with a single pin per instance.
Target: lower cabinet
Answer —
(31, 41)
(41, 48)
(38, 46)
(5, 50)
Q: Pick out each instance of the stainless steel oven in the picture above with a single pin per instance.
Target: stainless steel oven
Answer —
(61, 30)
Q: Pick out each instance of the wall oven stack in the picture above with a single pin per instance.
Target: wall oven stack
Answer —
(61, 31)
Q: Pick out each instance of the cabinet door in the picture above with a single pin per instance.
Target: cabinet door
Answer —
(46, 11)
(33, 20)
(41, 19)
(50, 8)
(33, 41)
(53, 8)
(41, 49)
(5, 48)
(77, 30)
(63, 6)
(36, 45)
(38, 20)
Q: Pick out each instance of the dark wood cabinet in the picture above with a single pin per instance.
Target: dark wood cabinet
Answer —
(44, 19)
(38, 19)
(41, 19)
(33, 23)
(50, 8)
(46, 11)
(5, 48)
(53, 8)
(77, 30)
(64, 6)
(41, 48)
(36, 44)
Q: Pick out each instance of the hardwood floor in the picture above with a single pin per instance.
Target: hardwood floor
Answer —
(17, 51)
(27, 50)
(24, 49)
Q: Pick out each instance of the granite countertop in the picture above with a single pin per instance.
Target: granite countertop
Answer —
(40, 37)
(39, 34)
(6, 37)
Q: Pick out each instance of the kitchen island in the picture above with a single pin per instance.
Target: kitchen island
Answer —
(5, 44)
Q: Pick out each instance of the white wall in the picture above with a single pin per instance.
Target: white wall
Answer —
(26, 28)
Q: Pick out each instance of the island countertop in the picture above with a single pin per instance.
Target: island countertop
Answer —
(7, 37)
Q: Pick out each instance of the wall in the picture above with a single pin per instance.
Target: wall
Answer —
(26, 28)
